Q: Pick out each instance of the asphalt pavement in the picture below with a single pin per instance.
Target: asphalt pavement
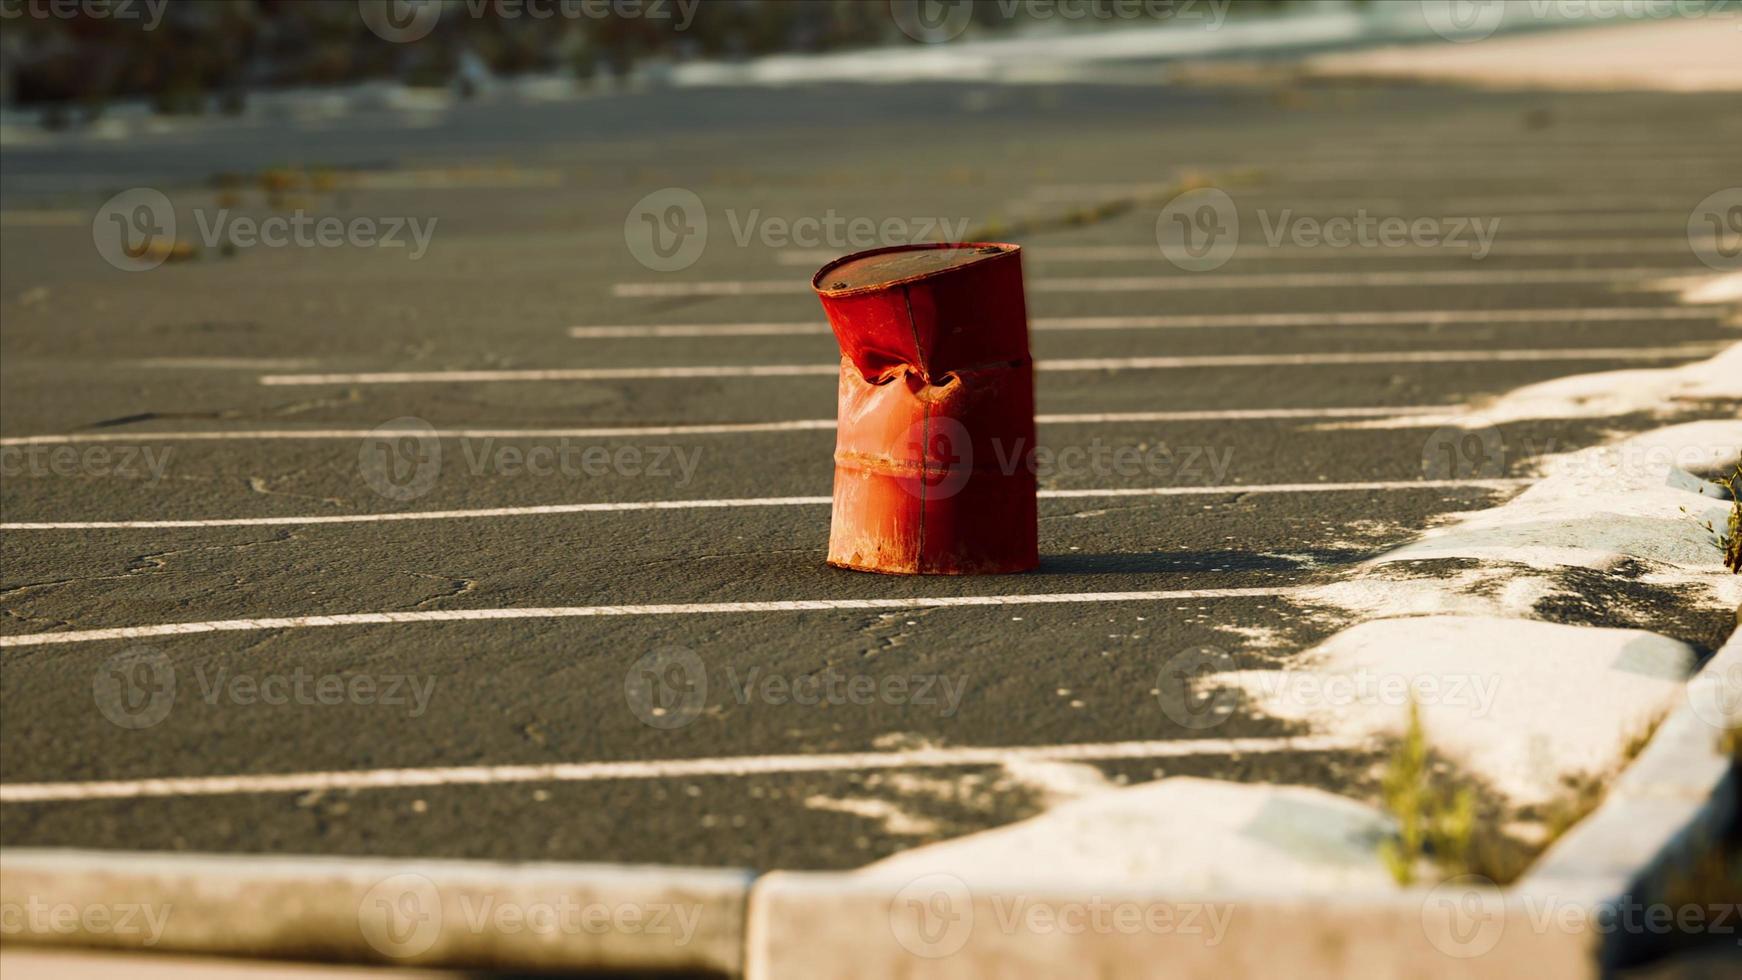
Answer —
(670, 683)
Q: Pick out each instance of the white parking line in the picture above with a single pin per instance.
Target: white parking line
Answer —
(1678, 245)
(1185, 280)
(740, 371)
(1406, 318)
(666, 609)
(1486, 204)
(729, 766)
(645, 505)
(728, 428)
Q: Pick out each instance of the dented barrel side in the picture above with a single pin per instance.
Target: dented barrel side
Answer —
(936, 411)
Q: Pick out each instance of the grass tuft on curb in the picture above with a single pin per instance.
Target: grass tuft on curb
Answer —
(1433, 822)
(1729, 540)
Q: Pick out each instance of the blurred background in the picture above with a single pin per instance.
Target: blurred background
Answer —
(70, 62)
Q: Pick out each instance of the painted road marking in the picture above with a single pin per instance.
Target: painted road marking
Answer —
(1410, 318)
(1185, 280)
(727, 503)
(727, 428)
(1260, 250)
(752, 765)
(1479, 204)
(44, 219)
(1685, 351)
(665, 609)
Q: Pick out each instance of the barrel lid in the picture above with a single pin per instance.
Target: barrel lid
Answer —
(884, 267)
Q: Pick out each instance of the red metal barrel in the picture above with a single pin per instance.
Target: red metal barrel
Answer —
(936, 420)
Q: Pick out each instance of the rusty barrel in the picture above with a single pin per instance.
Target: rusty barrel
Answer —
(935, 425)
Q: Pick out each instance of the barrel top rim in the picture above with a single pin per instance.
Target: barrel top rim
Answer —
(882, 268)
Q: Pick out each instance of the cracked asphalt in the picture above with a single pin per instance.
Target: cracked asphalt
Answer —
(530, 203)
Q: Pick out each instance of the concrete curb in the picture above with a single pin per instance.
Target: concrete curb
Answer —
(405, 913)
(1667, 808)
(1559, 921)
(938, 926)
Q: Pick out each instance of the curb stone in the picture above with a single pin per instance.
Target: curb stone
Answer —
(808, 925)
(1668, 808)
(404, 913)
